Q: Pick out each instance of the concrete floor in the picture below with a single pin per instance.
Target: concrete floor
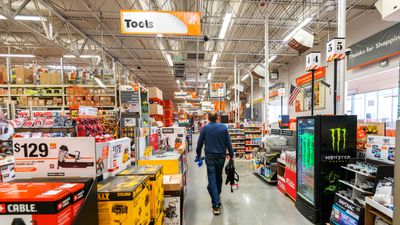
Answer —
(255, 203)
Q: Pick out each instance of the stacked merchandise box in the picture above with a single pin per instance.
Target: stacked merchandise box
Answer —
(173, 200)
(160, 219)
(168, 118)
(156, 103)
(79, 188)
(156, 187)
(124, 200)
(7, 172)
(37, 203)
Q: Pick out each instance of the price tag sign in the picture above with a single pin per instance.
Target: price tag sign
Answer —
(54, 157)
(335, 49)
(313, 61)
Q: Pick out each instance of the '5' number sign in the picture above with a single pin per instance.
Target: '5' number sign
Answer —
(335, 49)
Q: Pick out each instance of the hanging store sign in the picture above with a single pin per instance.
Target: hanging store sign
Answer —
(313, 61)
(306, 78)
(129, 98)
(160, 22)
(181, 95)
(274, 90)
(335, 49)
(218, 90)
(207, 106)
(375, 48)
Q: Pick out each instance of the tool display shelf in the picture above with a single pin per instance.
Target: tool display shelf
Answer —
(54, 96)
(353, 180)
(238, 142)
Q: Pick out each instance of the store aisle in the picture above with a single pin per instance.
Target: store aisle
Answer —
(254, 203)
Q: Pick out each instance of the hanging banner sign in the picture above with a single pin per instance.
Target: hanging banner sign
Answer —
(129, 98)
(218, 90)
(207, 106)
(306, 78)
(375, 48)
(181, 95)
(160, 22)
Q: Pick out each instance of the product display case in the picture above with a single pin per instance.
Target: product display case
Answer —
(324, 144)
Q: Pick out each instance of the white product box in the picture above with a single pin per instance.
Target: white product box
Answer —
(119, 155)
(172, 210)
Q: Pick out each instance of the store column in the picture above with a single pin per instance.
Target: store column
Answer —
(341, 18)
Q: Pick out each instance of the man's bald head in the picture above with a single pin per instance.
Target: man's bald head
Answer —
(213, 116)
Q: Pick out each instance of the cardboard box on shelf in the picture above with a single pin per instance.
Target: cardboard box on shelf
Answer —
(55, 78)
(44, 78)
(41, 102)
(23, 75)
(156, 109)
(155, 92)
(3, 75)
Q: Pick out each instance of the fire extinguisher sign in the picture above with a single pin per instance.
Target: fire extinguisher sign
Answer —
(54, 157)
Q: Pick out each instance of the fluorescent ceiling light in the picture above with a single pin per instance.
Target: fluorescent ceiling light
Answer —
(178, 82)
(225, 24)
(22, 17)
(159, 35)
(214, 59)
(228, 98)
(206, 85)
(301, 25)
(68, 56)
(99, 82)
(245, 77)
(169, 59)
(272, 58)
(209, 76)
(228, 92)
(17, 55)
(89, 56)
(204, 91)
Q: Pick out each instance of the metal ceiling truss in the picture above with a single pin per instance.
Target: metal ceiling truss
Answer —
(55, 29)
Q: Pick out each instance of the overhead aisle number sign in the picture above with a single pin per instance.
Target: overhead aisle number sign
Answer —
(160, 22)
(335, 49)
(313, 61)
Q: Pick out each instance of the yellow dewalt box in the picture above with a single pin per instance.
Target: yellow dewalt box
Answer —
(160, 220)
(124, 200)
(172, 163)
(156, 186)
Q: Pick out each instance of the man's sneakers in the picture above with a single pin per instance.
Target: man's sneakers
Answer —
(216, 211)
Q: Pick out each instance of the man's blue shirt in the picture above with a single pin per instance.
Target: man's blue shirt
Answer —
(216, 138)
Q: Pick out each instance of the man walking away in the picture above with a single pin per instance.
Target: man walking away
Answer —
(215, 137)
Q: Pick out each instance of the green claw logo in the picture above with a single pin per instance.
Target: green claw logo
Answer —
(338, 135)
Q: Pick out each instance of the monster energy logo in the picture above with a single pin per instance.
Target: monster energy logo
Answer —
(338, 135)
(307, 146)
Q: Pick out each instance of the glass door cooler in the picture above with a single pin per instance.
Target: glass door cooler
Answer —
(324, 144)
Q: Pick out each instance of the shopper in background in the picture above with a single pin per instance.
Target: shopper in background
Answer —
(216, 139)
